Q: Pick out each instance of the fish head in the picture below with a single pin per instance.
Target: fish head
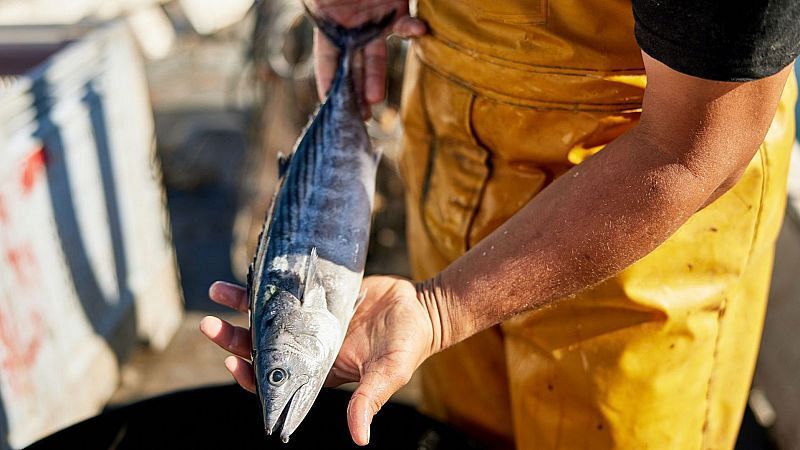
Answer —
(294, 350)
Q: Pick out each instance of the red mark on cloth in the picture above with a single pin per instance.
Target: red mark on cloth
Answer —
(3, 212)
(31, 169)
(24, 263)
(19, 354)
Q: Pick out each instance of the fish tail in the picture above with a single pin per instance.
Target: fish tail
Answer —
(349, 40)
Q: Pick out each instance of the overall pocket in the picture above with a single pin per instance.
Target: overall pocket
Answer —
(457, 177)
(458, 167)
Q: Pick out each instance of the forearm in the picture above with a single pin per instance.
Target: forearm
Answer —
(589, 224)
(694, 139)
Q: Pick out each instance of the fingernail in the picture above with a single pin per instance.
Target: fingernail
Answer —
(367, 421)
(204, 324)
(230, 363)
(210, 325)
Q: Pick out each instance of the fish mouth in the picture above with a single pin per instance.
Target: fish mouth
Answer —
(293, 412)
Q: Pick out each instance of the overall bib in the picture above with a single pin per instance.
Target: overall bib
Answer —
(504, 96)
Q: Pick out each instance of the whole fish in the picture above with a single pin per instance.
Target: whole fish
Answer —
(304, 282)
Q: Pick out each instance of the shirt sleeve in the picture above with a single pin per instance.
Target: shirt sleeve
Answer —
(726, 40)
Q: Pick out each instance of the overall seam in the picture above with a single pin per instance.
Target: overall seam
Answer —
(618, 107)
(487, 162)
(534, 68)
(432, 151)
(763, 158)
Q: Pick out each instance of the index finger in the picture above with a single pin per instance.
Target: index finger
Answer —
(230, 295)
(375, 55)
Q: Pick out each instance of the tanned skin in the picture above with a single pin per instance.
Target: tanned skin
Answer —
(693, 142)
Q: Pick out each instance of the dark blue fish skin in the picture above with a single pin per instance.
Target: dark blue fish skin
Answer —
(326, 195)
(304, 282)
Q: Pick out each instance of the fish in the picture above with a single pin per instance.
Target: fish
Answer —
(304, 282)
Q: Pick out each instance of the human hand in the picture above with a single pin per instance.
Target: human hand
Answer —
(369, 65)
(390, 335)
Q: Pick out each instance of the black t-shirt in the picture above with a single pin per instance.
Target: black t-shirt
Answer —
(728, 40)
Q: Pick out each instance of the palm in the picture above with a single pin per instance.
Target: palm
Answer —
(390, 332)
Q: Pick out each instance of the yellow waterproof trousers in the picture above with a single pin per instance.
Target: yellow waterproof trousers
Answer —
(501, 98)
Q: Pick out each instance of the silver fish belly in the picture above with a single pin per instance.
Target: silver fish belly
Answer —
(304, 283)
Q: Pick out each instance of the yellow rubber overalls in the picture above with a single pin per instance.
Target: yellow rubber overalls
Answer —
(502, 97)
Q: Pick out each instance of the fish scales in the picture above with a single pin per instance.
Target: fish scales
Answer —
(304, 282)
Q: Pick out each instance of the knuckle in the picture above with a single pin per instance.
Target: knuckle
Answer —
(373, 403)
(235, 342)
(400, 379)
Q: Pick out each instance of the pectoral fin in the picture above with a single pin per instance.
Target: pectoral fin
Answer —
(310, 281)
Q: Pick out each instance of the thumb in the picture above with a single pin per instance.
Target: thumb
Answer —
(376, 387)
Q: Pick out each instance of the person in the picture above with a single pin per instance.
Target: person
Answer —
(594, 189)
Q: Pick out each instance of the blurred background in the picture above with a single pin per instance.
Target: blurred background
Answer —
(138, 142)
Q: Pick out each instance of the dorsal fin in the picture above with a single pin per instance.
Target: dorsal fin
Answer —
(283, 164)
(249, 279)
(311, 273)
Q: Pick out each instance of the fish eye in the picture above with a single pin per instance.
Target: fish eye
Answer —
(277, 377)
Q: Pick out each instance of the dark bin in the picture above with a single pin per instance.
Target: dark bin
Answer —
(227, 417)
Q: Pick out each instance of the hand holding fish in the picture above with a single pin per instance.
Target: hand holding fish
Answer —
(369, 65)
(390, 335)
(304, 286)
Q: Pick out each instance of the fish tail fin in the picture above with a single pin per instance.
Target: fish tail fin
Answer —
(351, 39)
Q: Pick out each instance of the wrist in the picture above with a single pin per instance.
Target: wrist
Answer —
(438, 301)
